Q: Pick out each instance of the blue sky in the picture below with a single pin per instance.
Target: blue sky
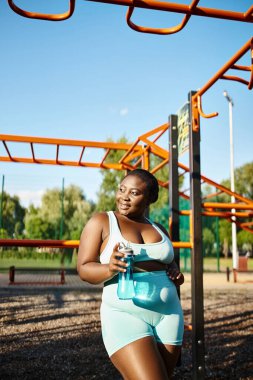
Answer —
(92, 77)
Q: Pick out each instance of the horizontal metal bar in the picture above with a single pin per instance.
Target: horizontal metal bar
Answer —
(66, 142)
(220, 214)
(183, 9)
(228, 206)
(98, 165)
(61, 243)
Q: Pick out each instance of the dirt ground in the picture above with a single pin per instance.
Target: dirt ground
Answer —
(53, 332)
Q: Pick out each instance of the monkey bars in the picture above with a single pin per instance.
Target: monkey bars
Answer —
(57, 144)
(187, 10)
(133, 156)
(222, 74)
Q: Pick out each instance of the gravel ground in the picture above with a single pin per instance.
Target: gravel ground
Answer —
(54, 333)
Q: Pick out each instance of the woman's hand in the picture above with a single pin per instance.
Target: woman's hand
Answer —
(176, 276)
(115, 264)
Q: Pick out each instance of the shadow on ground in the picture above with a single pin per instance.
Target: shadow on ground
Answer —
(55, 334)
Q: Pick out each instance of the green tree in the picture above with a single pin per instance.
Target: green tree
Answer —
(245, 240)
(244, 187)
(225, 231)
(208, 241)
(77, 211)
(12, 216)
(243, 182)
(110, 181)
(36, 226)
(159, 211)
(45, 222)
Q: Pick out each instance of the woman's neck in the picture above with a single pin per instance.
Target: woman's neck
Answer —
(133, 218)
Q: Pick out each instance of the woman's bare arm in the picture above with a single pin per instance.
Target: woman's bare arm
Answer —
(88, 266)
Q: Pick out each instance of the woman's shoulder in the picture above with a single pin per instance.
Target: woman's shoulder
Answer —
(99, 217)
(162, 228)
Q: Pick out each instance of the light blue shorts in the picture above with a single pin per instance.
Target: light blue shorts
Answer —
(154, 311)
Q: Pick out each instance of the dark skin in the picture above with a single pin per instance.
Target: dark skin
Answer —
(148, 359)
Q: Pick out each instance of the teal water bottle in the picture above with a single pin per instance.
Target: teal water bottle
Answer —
(125, 289)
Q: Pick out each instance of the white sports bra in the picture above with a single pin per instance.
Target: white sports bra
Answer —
(161, 251)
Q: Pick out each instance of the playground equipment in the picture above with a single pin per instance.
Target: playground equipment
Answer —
(221, 74)
(139, 155)
(187, 10)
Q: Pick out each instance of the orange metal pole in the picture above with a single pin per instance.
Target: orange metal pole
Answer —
(39, 243)
(196, 99)
(184, 9)
(221, 214)
(98, 165)
(226, 67)
(237, 206)
(61, 243)
(218, 186)
(191, 227)
(67, 142)
(145, 159)
(132, 151)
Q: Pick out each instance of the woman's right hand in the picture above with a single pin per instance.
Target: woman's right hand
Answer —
(115, 264)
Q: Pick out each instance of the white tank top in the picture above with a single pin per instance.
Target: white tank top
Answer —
(161, 251)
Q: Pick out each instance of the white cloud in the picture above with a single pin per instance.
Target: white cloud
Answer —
(28, 197)
(123, 111)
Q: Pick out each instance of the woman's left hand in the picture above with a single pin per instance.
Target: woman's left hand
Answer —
(176, 276)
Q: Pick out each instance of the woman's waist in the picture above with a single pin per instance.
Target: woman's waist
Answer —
(149, 266)
(142, 269)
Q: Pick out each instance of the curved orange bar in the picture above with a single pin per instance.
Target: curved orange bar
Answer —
(231, 64)
(207, 116)
(44, 16)
(162, 31)
(236, 79)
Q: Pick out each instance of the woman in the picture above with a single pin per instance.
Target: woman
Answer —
(143, 335)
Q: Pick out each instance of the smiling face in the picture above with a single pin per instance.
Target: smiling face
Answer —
(132, 197)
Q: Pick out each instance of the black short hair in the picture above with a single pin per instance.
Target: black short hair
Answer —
(150, 180)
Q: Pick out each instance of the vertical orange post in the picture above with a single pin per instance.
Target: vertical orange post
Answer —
(145, 158)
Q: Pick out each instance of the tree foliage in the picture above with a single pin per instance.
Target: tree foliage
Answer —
(12, 218)
(245, 240)
(62, 215)
(110, 181)
(244, 187)
(243, 182)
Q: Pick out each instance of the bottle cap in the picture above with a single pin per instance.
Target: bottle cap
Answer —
(125, 249)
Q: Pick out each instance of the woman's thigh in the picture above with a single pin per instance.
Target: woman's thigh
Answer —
(120, 328)
(170, 354)
(140, 360)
